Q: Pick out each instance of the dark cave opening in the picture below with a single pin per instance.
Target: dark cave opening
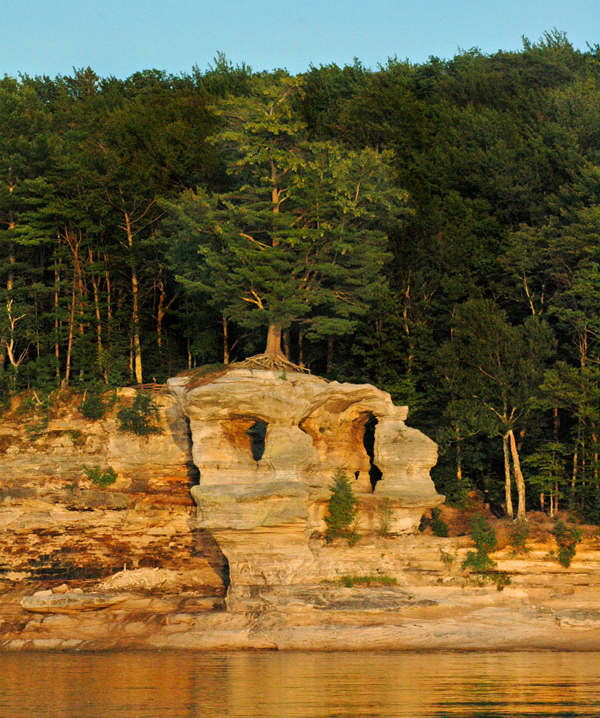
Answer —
(369, 443)
(257, 433)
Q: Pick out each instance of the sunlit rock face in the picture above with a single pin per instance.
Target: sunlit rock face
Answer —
(268, 445)
(57, 524)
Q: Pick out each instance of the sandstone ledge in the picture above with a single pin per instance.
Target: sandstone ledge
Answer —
(433, 606)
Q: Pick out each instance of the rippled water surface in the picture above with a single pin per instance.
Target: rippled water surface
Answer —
(298, 685)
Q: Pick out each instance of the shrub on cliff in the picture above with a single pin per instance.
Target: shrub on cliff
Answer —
(141, 418)
(101, 477)
(567, 538)
(343, 510)
(486, 541)
(92, 407)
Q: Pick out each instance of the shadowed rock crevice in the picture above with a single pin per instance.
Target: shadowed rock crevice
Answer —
(375, 474)
(257, 433)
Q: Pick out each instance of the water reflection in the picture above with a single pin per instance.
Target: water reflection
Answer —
(298, 685)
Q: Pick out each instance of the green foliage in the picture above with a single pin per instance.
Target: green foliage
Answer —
(301, 237)
(141, 418)
(438, 526)
(93, 406)
(99, 476)
(349, 581)
(342, 510)
(567, 538)
(498, 155)
(518, 536)
(447, 558)
(39, 406)
(486, 541)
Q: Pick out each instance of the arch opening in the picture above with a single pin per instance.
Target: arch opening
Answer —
(375, 473)
(257, 433)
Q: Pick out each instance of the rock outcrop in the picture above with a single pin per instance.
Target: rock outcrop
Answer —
(267, 446)
(57, 524)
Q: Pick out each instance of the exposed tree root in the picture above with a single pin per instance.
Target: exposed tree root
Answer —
(270, 363)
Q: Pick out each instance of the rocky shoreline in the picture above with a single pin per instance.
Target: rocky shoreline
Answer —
(243, 565)
(433, 606)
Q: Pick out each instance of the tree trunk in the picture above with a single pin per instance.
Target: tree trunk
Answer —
(71, 333)
(225, 341)
(507, 487)
(518, 475)
(96, 288)
(274, 342)
(135, 314)
(459, 474)
(57, 320)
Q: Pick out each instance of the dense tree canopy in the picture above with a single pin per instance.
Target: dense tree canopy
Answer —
(432, 228)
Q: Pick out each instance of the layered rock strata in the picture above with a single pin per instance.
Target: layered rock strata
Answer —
(267, 446)
(57, 524)
(434, 605)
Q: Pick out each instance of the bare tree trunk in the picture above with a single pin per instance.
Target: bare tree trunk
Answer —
(575, 461)
(97, 310)
(459, 474)
(71, 333)
(274, 342)
(226, 357)
(56, 320)
(135, 314)
(507, 487)
(518, 475)
(162, 309)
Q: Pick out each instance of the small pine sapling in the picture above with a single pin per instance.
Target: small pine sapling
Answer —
(343, 510)
(486, 541)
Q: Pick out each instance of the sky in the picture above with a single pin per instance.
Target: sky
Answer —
(120, 37)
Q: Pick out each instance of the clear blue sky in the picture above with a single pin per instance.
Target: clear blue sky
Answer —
(119, 37)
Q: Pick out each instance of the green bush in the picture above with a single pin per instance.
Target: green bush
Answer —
(100, 476)
(518, 538)
(141, 418)
(92, 407)
(567, 538)
(343, 510)
(486, 541)
(438, 525)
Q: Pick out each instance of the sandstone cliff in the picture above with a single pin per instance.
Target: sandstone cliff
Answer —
(267, 445)
(57, 524)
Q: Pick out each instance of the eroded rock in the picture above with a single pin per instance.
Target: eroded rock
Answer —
(71, 602)
(267, 446)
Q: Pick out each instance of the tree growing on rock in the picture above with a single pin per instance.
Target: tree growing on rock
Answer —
(301, 238)
(342, 510)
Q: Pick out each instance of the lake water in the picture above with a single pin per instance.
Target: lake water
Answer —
(298, 685)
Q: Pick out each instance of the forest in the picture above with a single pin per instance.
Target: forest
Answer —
(433, 229)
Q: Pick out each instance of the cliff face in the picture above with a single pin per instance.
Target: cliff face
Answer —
(55, 523)
(261, 499)
(256, 450)
(267, 446)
